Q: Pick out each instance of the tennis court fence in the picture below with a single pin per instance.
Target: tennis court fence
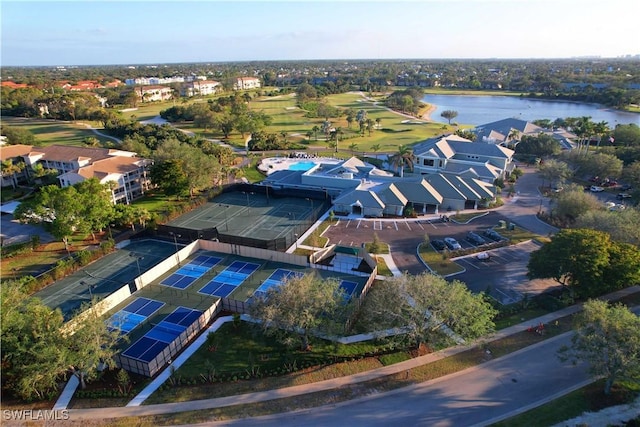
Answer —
(320, 206)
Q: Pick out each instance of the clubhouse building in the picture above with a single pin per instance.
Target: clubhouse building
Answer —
(450, 173)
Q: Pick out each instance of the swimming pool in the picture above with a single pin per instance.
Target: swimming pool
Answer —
(301, 166)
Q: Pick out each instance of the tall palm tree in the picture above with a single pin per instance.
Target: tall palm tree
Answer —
(375, 148)
(404, 156)
(315, 130)
(353, 147)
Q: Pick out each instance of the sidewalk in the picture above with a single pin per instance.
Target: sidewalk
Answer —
(166, 408)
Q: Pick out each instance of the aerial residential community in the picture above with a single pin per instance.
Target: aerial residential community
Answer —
(225, 230)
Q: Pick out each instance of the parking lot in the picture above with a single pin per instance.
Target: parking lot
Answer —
(504, 274)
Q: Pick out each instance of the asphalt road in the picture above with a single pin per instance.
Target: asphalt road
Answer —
(475, 396)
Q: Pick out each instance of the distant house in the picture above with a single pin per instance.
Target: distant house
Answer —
(506, 131)
(244, 83)
(201, 88)
(460, 156)
(75, 164)
(154, 93)
(14, 85)
(510, 132)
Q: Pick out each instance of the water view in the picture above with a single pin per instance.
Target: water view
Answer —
(477, 110)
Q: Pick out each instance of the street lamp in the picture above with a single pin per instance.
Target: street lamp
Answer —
(296, 236)
(138, 259)
(175, 242)
(83, 283)
(247, 194)
(226, 218)
(311, 200)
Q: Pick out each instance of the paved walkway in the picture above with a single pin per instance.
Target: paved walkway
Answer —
(166, 408)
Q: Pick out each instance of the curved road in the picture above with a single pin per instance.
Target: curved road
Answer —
(476, 396)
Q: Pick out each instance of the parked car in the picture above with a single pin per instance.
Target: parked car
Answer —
(622, 196)
(452, 243)
(438, 245)
(626, 187)
(475, 238)
(596, 189)
(493, 235)
(610, 183)
(483, 256)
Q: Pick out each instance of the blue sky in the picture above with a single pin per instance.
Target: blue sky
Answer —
(141, 32)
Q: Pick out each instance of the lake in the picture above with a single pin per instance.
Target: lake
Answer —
(477, 110)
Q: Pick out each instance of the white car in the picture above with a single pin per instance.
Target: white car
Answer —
(596, 189)
(452, 243)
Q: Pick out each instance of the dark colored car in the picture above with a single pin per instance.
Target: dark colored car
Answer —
(476, 239)
(493, 235)
(626, 187)
(439, 245)
(622, 196)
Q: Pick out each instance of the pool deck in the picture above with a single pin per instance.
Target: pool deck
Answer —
(274, 164)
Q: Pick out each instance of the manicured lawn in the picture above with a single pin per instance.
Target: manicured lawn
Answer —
(258, 362)
(520, 317)
(49, 132)
(383, 269)
(518, 235)
(587, 399)
(437, 263)
(33, 263)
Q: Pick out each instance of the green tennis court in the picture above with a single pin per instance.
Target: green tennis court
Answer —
(253, 215)
(104, 276)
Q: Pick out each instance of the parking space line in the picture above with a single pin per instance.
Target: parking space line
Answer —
(359, 222)
(419, 225)
(348, 222)
(407, 224)
(470, 263)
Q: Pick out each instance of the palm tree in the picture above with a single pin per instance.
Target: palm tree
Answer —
(601, 129)
(315, 130)
(369, 125)
(308, 135)
(12, 169)
(353, 147)
(403, 157)
(375, 148)
(378, 121)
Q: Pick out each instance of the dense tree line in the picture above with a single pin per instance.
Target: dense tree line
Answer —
(588, 262)
(38, 349)
(407, 101)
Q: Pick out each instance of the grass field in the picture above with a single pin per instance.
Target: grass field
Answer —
(49, 132)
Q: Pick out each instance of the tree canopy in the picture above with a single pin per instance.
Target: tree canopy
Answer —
(607, 337)
(428, 308)
(449, 115)
(302, 305)
(36, 351)
(587, 261)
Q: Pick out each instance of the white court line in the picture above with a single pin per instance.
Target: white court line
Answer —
(431, 224)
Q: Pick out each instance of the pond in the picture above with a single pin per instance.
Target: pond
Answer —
(477, 110)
